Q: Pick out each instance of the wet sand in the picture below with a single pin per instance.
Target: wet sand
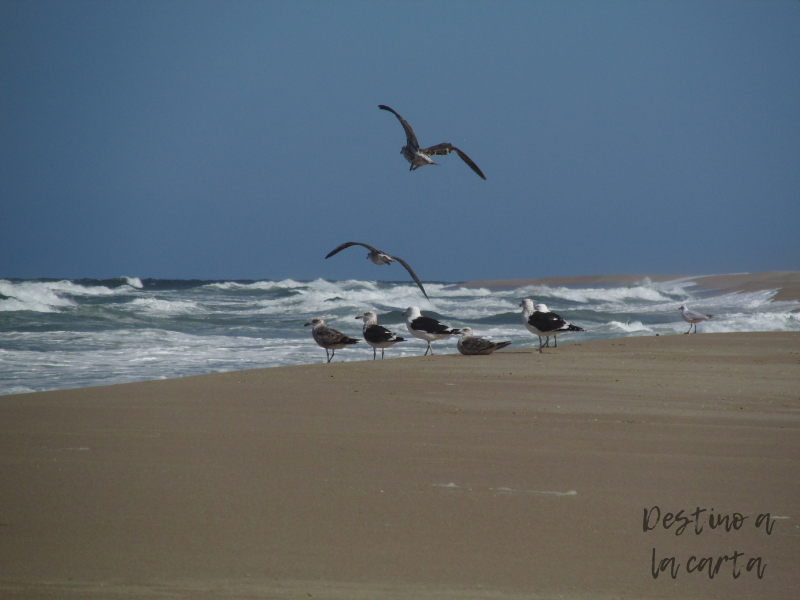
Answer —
(516, 475)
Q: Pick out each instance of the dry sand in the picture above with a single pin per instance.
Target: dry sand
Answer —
(516, 475)
(786, 282)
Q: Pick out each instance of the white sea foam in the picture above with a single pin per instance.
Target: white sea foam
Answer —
(165, 307)
(134, 282)
(588, 295)
(51, 296)
(68, 334)
(630, 327)
(32, 295)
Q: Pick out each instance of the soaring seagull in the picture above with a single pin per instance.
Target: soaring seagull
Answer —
(693, 318)
(470, 345)
(328, 338)
(377, 336)
(539, 321)
(426, 328)
(419, 157)
(380, 258)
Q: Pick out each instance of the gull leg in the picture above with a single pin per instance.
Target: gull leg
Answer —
(332, 353)
(426, 349)
(381, 353)
(555, 340)
(690, 329)
(374, 353)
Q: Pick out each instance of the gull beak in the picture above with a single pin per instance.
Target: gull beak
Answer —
(403, 314)
(307, 324)
(360, 317)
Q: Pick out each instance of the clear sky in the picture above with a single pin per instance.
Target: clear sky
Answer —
(231, 140)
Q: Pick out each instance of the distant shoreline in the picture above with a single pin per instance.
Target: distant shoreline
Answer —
(786, 282)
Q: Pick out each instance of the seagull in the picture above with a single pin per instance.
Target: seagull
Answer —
(328, 338)
(693, 318)
(377, 336)
(471, 345)
(419, 157)
(426, 328)
(539, 321)
(381, 258)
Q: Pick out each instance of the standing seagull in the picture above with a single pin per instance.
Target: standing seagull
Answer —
(380, 258)
(419, 157)
(328, 338)
(693, 318)
(539, 321)
(471, 345)
(377, 336)
(426, 328)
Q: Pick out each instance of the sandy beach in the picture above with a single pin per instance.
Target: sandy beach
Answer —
(516, 475)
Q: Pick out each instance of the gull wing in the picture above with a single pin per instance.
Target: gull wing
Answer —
(377, 334)
(445, 148)
(547, 322)
(347, 245)
(429, 325)
(692, 314)
(413, 275)
(411, 139)
(330, 337)
(475, 345)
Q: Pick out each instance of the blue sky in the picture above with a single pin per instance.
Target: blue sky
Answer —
(224, 140)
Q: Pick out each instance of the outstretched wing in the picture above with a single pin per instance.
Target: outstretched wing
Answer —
(411, 139)
(347, 245)
(445, 148)
(413, 275)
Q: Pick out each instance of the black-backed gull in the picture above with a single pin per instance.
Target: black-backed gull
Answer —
(328, 338)
(470, 345)
(540, 321)
(693, 318)
(426, 328)
(381, 258)
(419, 157)
(377, 336)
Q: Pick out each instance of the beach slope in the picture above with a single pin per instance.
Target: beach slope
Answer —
(515, 475)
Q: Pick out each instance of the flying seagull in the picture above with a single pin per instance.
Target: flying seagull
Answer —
(419, 157)
(539, 321)
(328, 338)
(693, 318)
(377, 336)
(426, 328)
(471, 345)
(380, 258)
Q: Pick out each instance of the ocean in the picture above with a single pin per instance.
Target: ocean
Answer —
(57, 334)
